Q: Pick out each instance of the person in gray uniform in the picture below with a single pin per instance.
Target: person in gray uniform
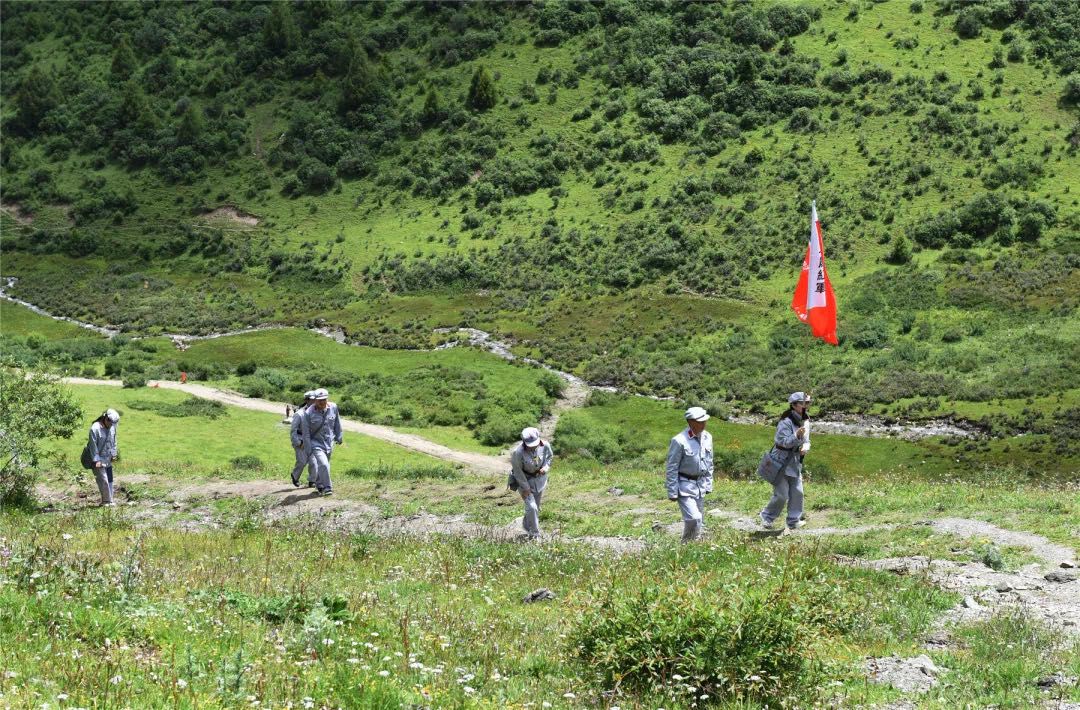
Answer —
(103, 451)
(788, 487)
(320, 429)
(298, 443)
(690, 471)
(530, 462)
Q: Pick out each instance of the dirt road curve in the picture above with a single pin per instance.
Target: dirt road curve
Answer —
(478, 462)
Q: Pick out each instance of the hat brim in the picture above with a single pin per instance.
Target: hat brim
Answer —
(704, 418)
(531, 443)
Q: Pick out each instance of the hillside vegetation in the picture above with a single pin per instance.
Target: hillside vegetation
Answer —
(622, 187)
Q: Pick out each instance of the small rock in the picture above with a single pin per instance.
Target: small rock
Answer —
(970, 603)
(615, 491)
(939, 639)
(1004, 587)
(1067, 565)
(542, 594)
(657, 526)
(1060, 577)
(1056, 680)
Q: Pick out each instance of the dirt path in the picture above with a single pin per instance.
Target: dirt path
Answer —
(577, 389)
(478, 462)
(574, 395)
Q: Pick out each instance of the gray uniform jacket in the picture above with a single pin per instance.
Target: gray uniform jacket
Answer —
(103, 443)
(689, 465)
(294, 429)
(533, 463)
(320, 430)
(785, 441)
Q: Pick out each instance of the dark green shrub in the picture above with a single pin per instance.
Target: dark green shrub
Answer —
(753, 646)
(247, 462)
(134, 381)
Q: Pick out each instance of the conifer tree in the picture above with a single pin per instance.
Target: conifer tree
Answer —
(362, 85)
(280, 33)
(36, 96)
(432, 112)
(191, 125)
(481, 91)
(124, 63)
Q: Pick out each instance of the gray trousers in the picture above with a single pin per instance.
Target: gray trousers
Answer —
(787, 490)
(301, 461)
(531, 521)
(692, 509)
(103, 476)
(319, 464)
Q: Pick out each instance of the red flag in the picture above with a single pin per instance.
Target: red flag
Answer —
(814, 302)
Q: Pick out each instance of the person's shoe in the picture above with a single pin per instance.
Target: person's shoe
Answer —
(296, 482)
(326, 492)
(798, 524)
(310, 484)
(765, 525)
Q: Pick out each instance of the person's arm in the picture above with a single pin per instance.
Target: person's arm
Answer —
(294, 430)
(786, 436)
(546, 457)
(674, 458)
(305, 432)
(95, 442)
(519, 473)
(112, 441)
(337, 425)
(707, 474)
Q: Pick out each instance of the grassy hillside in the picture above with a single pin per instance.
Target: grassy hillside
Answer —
(632, 205)
(217, 585)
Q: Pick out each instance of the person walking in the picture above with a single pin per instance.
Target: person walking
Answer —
(298, 442)
(690, 471)
(102, 450)
(791, 434)
(530, 462)
(320, 429)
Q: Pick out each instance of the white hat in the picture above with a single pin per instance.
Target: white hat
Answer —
(310, 394)
(697, 414)
(798, 397)
(530, 436)
(320, 394)
(112, 415)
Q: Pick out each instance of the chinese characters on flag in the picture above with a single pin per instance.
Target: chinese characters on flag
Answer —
(814, 302)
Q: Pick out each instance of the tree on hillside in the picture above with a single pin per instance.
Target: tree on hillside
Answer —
(481, 91)
(362, 85)
(432, 112)
(124, 63)
(280, 33)
(191, 125)
(31, 411)
(135, 111)
(36, 96)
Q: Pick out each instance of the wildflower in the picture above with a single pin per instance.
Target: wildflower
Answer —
(384, 673)
(354, 660)
(62, 697)
(677, 677)
(67, 536)
(328, 642)
(181, 683)
(115, 680)
(468, 690)
(569, 696)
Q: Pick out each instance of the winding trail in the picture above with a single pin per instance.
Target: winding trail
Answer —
(478, 462)
(577, 390)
